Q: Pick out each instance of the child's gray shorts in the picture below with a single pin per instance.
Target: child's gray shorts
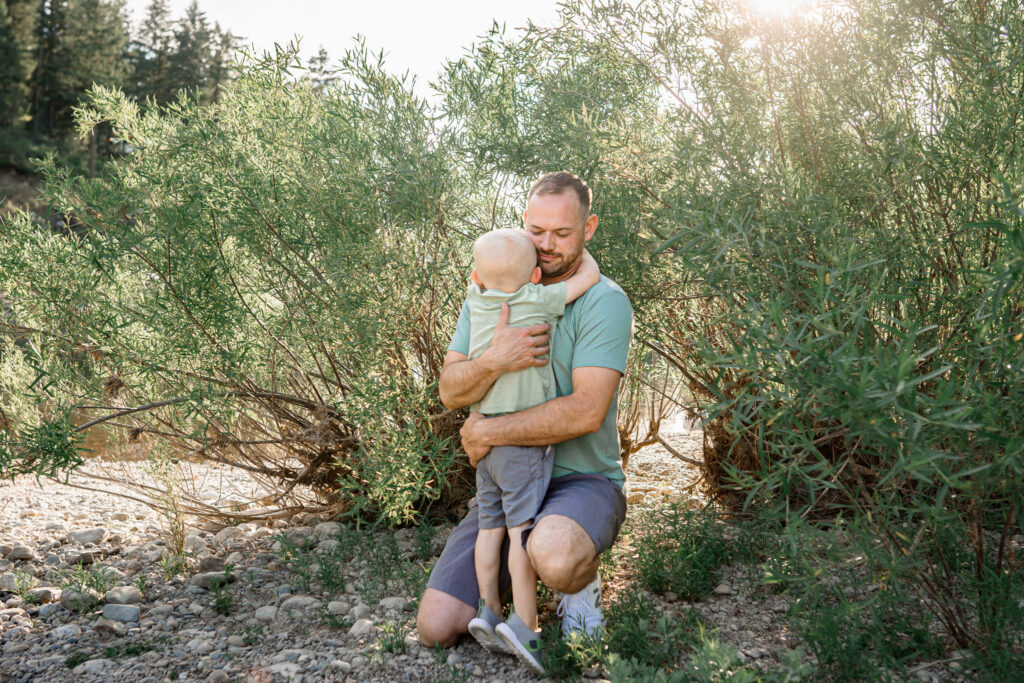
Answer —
(510, 484)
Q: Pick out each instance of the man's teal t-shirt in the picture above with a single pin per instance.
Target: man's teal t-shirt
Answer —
(595, 331)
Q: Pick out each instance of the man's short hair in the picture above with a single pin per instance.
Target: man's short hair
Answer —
(560, 182)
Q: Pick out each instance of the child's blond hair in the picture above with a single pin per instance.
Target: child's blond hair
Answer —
(505, 259)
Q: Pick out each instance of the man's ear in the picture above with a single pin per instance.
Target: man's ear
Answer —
(476, 278)
(535, 275)
(589, 227)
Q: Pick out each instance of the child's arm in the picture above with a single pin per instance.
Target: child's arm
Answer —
(586, 277)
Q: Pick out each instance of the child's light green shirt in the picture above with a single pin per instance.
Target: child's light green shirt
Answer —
(594, 331)
(529, 305)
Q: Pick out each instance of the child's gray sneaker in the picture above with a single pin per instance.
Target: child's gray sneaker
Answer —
(523, 641)
(482, 627)
(581, 612)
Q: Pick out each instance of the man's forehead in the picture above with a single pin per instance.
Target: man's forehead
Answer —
(573, 217)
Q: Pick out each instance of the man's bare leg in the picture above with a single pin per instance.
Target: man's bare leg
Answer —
(562, 553)
(487, 558)
(442, 619)
(524, 578)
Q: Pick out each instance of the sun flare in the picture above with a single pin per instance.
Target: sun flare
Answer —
(776, 8)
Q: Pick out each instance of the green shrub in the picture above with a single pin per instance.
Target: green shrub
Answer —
(680, 550)
(269, 281)
(846, 634)
(638, 631)
(837, 200)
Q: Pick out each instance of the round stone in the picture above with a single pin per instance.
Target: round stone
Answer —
(87, 536)
(123, 595)
(121, 612)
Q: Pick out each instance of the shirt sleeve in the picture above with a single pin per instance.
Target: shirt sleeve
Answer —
(604, 330)
(552, 299)
(460, 340)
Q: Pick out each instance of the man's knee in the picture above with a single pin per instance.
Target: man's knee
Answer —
(442, 619)
(562, 553)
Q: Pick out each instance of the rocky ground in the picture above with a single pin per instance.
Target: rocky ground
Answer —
(87, 593)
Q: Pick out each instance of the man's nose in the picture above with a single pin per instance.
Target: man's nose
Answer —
(546, 242)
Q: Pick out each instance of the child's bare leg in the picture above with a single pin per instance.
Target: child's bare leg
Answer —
(524, 578)
(487, 558)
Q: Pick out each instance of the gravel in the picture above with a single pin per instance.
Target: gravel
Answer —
(143, 626)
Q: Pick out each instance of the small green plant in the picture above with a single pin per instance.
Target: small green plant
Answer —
(793, 668)
(385, 564)
(123, 651)
(329, 573)
(298, 557)
(453, 673)
(82, 580)
(392, 639)
(140, 583)
(128, 650)
(567, 658)
(173, 565)
(164, 468)
(413, 577)
(424, 539)
(638, 640)
(24, 581)
(545, 595)
(222, 599)
(335, 621)
(252, 633)
(76, 658)
(713, 660)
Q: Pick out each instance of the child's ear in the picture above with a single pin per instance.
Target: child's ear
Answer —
(535, 276)
(476, 278)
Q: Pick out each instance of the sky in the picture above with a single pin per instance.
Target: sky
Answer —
(416, 35)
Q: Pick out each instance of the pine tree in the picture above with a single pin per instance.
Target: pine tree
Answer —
(150, 55)
(322, 76)
(225, 45)
(95, 43)
(80, 42)
(49, 97)
(17, 20)
(11, 76)
(193, 50)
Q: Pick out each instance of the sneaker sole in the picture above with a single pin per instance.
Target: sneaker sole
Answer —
(508, 637)
(484, 634)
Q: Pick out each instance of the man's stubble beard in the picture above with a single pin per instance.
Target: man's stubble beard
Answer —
(564, 268)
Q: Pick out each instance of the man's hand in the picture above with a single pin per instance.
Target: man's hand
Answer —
(472, 433)
(516, 348)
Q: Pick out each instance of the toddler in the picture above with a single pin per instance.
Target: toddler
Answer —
(512, 480)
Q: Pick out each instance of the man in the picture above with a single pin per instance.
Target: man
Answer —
(585, 505)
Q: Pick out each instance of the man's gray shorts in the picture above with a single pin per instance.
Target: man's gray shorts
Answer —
(593, 501)
(510, 484)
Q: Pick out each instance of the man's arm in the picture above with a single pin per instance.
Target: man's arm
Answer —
(581, 412)
(586, 277)
(465, 381)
